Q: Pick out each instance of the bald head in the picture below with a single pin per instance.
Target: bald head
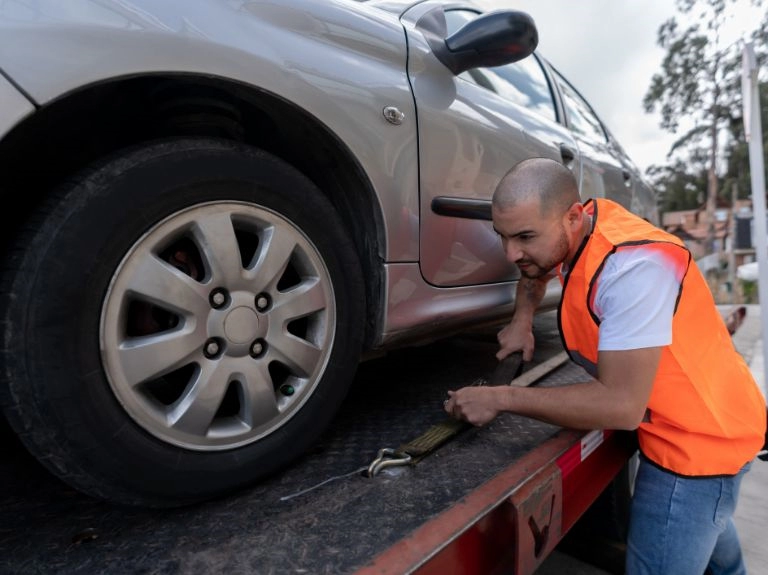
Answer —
(545, 181)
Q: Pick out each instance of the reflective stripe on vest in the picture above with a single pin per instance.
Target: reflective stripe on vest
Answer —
(706, 415)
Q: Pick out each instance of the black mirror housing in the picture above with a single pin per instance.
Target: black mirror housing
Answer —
(493, 39)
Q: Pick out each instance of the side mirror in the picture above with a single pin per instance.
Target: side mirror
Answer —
(493, 39)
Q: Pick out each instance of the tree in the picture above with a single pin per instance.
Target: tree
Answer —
(737, 154)
(679, 186)
(700, 83)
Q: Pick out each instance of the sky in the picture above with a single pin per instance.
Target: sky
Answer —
(607, 49)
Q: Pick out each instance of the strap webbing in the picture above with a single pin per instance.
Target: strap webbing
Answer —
(506, 373)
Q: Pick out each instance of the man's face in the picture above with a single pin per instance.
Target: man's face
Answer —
(535, 243)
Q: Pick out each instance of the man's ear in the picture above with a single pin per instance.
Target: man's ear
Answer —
(575, 215)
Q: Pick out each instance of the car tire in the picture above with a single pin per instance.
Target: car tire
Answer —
(181, 320)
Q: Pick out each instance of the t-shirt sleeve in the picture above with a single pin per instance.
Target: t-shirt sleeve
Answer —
(635, 300)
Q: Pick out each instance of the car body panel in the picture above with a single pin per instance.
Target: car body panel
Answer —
(416, 309)
(603, 174)
(469, 137)
(475, 131)
(51, 49)
(14, 108)
(473, 128)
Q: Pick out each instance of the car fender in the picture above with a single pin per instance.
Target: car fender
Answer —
(14, 107)
(356, 68)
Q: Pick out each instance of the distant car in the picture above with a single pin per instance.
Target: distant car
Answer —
(748, 272)
(221, 208)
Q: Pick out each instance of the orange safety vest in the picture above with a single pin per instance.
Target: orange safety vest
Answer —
(706, 415)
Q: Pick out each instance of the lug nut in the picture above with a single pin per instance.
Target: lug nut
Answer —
(211, 349)
(258, 348)
(218, 298)
(262, 302)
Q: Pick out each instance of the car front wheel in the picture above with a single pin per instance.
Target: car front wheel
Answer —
(183, 319)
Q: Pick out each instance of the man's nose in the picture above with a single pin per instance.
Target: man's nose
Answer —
(512, 252)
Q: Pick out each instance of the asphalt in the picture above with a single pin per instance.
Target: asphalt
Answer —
(751, 515)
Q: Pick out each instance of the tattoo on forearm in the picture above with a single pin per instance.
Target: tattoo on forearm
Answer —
(533, 291)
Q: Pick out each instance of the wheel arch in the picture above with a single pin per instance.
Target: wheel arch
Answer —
(80, 127)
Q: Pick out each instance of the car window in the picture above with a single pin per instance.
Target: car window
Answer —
(523, 82)
(581, 119)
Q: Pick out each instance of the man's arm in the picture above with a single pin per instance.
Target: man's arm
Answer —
(616, 400)
(518, 334)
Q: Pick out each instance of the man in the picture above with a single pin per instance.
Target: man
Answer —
(637, 314)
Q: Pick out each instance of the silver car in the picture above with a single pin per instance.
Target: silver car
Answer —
(222, 206)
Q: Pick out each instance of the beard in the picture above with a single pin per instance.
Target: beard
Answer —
(534, 269)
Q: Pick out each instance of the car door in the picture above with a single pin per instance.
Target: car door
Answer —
(643, 201)
(472, 129)
(603, 174)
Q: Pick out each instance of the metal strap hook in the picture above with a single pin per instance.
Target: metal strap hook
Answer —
(387, 457)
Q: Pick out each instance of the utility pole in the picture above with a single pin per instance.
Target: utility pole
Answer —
(712, 182)
(754, 134)
(732, 245)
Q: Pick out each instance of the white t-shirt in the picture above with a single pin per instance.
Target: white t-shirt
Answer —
(635, 299)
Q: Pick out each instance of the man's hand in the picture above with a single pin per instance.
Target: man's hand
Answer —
(477, 405)
(516, 336)
(615, 401)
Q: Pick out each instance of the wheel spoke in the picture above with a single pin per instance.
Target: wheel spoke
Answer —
(272, 259)
(162, 284)
(216, 238)
(149, 357)
(260, 402)
(298, 355)
(300, 301)
(195, 410)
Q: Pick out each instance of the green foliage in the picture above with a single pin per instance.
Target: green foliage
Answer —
(699, 84)
(737, 153)
(699, 78)
(748, 291)
(678, 187)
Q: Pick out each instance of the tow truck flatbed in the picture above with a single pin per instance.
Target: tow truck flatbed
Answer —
(494, 499)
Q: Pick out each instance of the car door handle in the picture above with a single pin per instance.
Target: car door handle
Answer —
(627, 177)
(567, 153)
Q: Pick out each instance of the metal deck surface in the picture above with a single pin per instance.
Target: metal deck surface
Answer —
(321, 515)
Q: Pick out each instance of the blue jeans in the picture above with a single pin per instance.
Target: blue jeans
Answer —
(681, 526)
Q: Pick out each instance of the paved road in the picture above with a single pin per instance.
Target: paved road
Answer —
(752, 512)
